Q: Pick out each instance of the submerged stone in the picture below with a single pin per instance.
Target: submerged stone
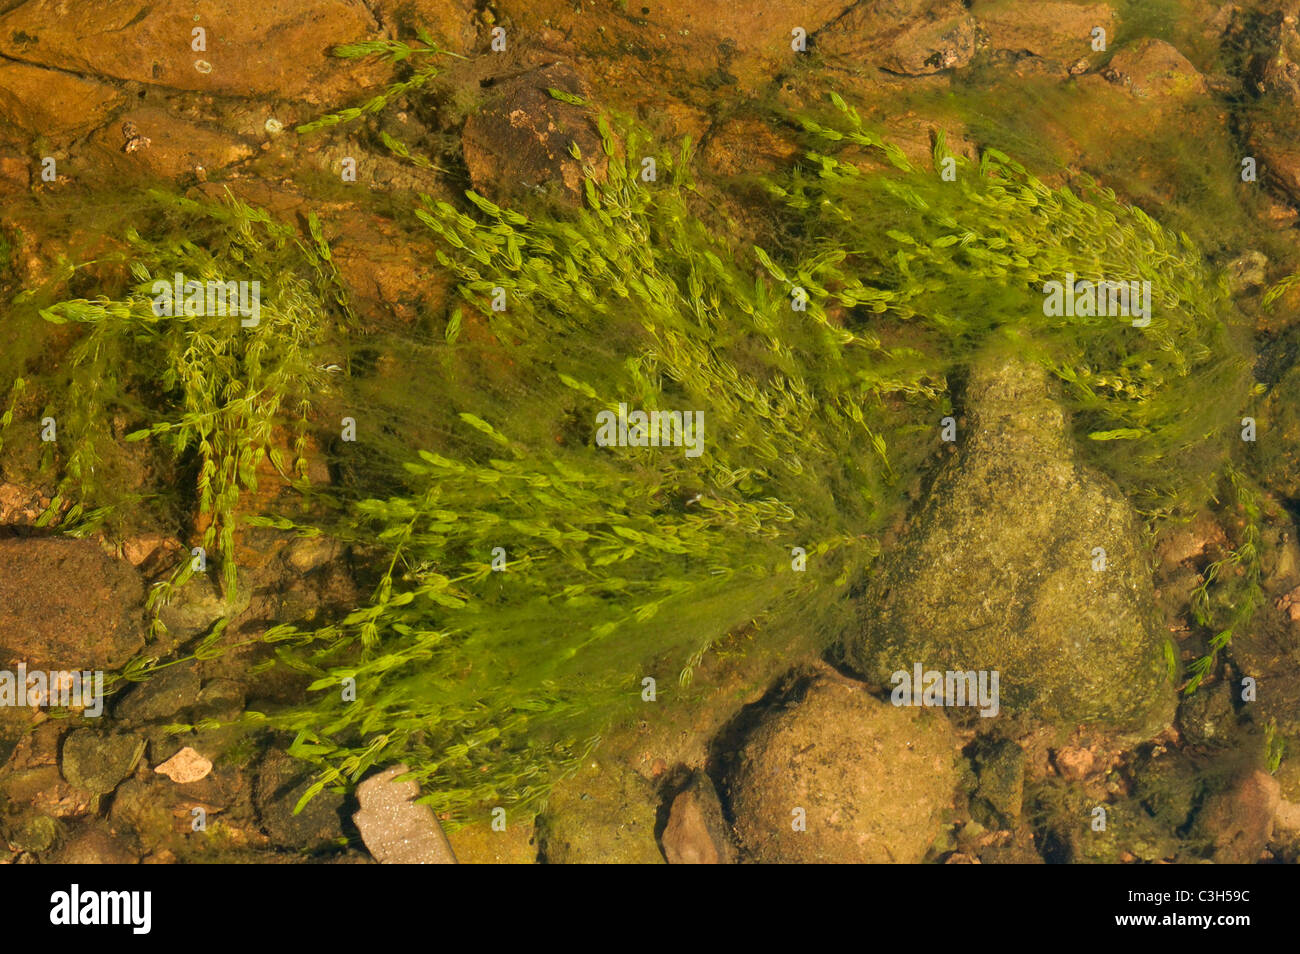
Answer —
(396, 829)
(1026, 562)
(604, 814)
(841, 777)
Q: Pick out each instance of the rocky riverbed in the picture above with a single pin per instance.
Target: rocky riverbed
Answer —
(779, 751)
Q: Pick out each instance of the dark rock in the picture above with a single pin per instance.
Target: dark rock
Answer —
(1000, 767)
(221, 699)
(281, 781)
(519, 139)
(97, 761)
(194, 607)
(1206, 716)
(163, 695)
(1239, 820)
(1168, 786)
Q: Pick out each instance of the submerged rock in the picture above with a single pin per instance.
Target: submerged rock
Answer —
(605, 814)
(162, 696)
(185, 766)
(98, 762)
(1000, 766)
(245, 47)
(697, 833)
(519, 139)
(66, 604)
(908, 37)
(396, 830)
(1003, 571)
(281, 782)
(1239, 821)
(841, 777)
(1055, 31)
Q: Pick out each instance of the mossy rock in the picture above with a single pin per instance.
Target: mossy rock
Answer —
(1277, 447)
(605, 814)
(1000, 767)
(1129, 831)
(998, 571)
(98, 761)
(842, 777)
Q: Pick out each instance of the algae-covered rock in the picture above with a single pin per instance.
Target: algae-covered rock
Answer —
(605, 814)
(97, 761)
(1277, 447)
(1000, 766)
(1026, 562)
(842, 777)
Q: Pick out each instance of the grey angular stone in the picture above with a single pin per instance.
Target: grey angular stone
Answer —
(395, 829)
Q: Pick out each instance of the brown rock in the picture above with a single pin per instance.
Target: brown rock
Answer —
(1154, 69)
(452, 22)
(748, 146)
(97, 846)
(842, 777)
(45, 102)
(605, 813)
(1239, 821)
(175, 147)
(519, 140)
(909, 37)
(696, 833)
(1052, 30)
(481, 844)
(21, 506)
(1273, 143)
(253, 48)
(753, 40)
(395, 829)
(1074, 764)
(65, 604)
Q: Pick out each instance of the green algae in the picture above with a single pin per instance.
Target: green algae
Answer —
(491, 673)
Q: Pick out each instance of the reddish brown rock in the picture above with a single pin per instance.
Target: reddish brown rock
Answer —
(696, 833)
(54, 104)
(520, 139)
(66, 604)
(253, 47)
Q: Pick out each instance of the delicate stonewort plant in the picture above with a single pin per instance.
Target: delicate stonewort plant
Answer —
(526, 575)
(212, 378)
